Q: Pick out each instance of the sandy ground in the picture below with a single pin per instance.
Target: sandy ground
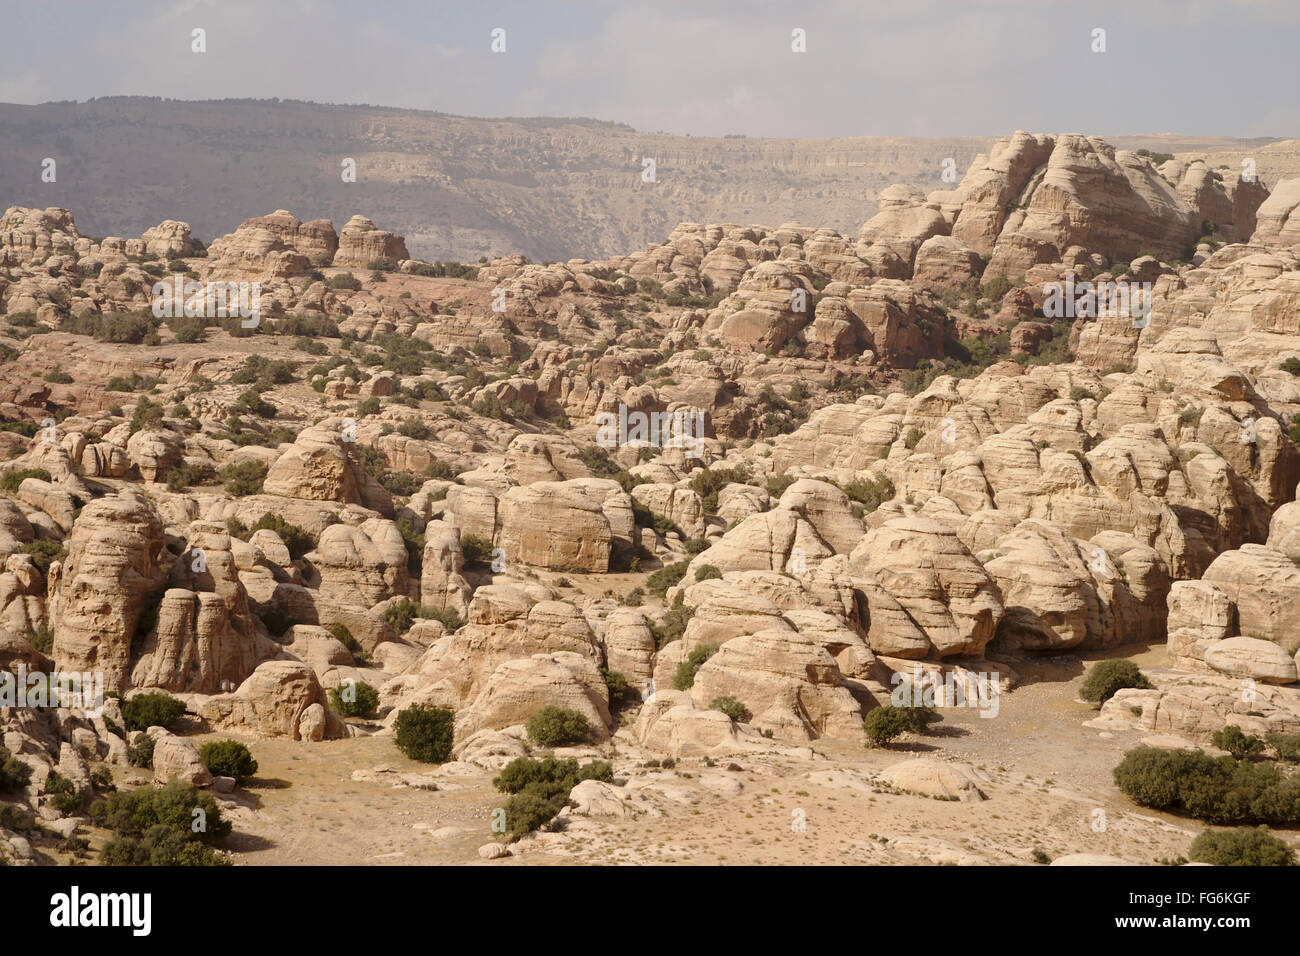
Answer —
(1045, 775)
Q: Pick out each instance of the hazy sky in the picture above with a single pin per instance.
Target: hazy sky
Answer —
(895, 67)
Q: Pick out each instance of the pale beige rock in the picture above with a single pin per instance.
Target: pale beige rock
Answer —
(279, 699)
(1253, 658)
(362, 564)
(360, 244)
(936, 778)
(116, 561)
(520, 688)
(555, 525)
(827, 509)
(175, 758)
(1264, 586)
(790, 684)
(926, 592)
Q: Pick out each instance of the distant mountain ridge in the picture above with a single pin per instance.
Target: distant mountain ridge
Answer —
(459, 187)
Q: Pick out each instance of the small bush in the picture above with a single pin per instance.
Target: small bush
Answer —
(1106, 677)
(159, 826)
(674, 623)
(141, 753)
(243, 478)
(684, 675)
(356, 699)
(1243, 847)
(44, 553)
(1237, 743)
(11, 480)
(884, 724)
(707, 572)
(540, 788)
(151, 710)
(63, 794)
(298, 541)
(344, 280)
(1286, 746)
(425, 733)
(667, 577)
(228, 758)
(529, 811)
(869, 493)
(147, 415)
(476, 550)
(14, 774)
(401, 614)
(557, 727)
(731, 707)
(549, 775)
(1214, 789)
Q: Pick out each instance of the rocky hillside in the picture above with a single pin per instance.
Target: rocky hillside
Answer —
(453, 484)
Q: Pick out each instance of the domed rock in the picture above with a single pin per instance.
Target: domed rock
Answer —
(927, 594)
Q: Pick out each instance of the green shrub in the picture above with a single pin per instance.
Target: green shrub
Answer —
(557, 726)
(141, 753)
(44, 553)
(708, 482)
(884, 724)
(154, 709)
(540, 789)
(344, 280)
(159, 826)
(777, 484)
(425, 733)
(11, 480)
(620, 692)
(731, 707)
(1232, 739)
(243, 478)
(707, 572)
(868, 492)
(63, 794)
(549, 775)
(1286, 746)
(298, 541)
(1106, 677)
(183, 475)
(684, 675)
(356, 699)
(127, 328)
(42, 639)
(14, 774)
(667, 577)
(1214, 789)
(476, 550)
(228, 758)
(674, 623)
(1242, 847)
(252, 403)
(529, 811)
(401, 614)
(146, 415)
